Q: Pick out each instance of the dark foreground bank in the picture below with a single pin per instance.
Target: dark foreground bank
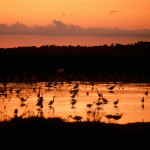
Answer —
(55, 133)
(56, 126)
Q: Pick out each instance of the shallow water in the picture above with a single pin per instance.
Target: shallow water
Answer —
(129, 105)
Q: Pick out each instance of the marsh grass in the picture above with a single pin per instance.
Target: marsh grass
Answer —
(57, 126)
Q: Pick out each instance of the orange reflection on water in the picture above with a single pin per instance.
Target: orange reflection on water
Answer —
(130, 108)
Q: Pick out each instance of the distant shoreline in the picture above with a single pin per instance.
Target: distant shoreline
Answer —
(115, 63)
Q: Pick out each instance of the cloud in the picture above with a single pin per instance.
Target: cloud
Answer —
(58, 28)
(114, 11)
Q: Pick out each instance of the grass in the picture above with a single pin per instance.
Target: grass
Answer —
(54, 132)
(56, 126)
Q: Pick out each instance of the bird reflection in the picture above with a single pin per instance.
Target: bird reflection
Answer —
(16, 113)
(111, 91)
(142, 106)
(73, 102)
(89, 115)
(40, 112)
(51, 110)
(98, 104)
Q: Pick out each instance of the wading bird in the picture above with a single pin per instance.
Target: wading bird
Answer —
(99, 103)
(105, 100)
(76, 86)
(76, 118)
(116, 102)
(142, 100)
(90, 105)
(15, 113)
(73, 102)
(99, 94)
(146, 93)
(52, 101)
(40, 101)
(109, 117)
(23, 100)
(117, 116)
(111, 87)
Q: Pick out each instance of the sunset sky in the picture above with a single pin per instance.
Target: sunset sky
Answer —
(83, 15)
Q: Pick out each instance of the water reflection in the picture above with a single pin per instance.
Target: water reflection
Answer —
(76, 101)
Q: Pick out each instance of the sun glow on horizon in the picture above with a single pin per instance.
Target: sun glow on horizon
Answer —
(72, 17)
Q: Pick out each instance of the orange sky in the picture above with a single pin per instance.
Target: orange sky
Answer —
(130, 14)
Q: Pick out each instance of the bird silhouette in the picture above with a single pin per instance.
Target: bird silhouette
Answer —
(49, 85)
(76, 118)
(18, 91)
(15, 113)
(99, 94)
(40, 101)
(74, 95)
(99, 103)
(90, 105)
(87, 93)
(111, 87)
(146, 92)
(74, 91)
(142, 100)
(73, 101)
(109, 117)
(116, 102)
(52, 101)
(117, 116)
(23, 100)
(76, 86)
(105, 100)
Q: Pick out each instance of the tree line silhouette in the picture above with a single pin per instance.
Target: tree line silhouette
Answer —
(90, 61)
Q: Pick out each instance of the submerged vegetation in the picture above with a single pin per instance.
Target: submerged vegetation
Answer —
(126, 63)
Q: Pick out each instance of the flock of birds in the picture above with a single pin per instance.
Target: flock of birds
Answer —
(74, 93)
(101, 101)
